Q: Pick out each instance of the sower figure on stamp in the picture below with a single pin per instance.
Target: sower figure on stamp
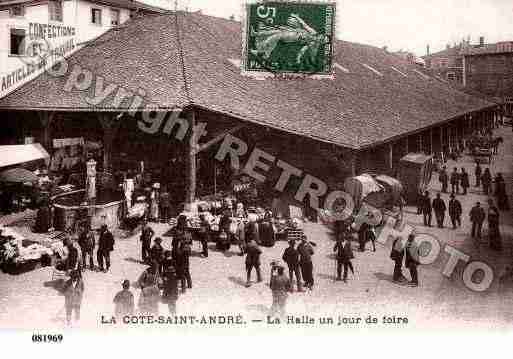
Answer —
(344, 255)
(253, 261)
(291, 257)
(280, 285)
(124, 301)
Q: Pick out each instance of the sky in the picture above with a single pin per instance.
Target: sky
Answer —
(398, 24)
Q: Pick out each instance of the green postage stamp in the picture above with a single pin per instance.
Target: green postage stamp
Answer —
(289, 37)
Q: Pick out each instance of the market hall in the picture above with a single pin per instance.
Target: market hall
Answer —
(136, 89)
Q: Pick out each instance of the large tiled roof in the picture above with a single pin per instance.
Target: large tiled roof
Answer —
(374, 98)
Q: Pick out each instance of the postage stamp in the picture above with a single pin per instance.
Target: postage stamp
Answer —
(289, 37)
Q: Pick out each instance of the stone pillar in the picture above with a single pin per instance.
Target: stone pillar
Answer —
(91, 180)
(110, 127)
(190, 164)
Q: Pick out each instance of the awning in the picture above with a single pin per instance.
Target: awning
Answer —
(16, 154)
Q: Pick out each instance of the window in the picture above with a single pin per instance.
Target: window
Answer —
(17, 42)
(55, 10)
(96, 16)
(451, 76)
(17, 11)
(114, 17)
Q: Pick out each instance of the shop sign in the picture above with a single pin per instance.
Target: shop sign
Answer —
(289, 37)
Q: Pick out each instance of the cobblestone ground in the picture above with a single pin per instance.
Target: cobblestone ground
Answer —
(26, 300)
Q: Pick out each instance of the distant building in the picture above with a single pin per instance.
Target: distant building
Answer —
(447, 64)
(33, 33)
(488, 69)
(411, 58)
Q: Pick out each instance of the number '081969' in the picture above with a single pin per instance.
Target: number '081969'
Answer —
(47, 338)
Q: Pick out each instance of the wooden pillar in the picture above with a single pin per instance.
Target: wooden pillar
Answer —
(353, 164)
(449, 142)
(420, 142)
(391, 155)
(110, 127)
(46, 119)
(190, 163)
(441, 138)
(407, 145)
(431, 141)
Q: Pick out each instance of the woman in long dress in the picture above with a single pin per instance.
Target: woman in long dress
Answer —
(150, 293)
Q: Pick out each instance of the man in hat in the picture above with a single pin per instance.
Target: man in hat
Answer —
(412, 260)
(86, 241)
(146, 236)
(455, 211)
(170, 285)
(157, 253)
(253, 253)
(105, 246)
(440, 208)
(477, 217)
(124, 301)
(427, 209)
(443, 178)
(344, 255)
(280, 285)
(464, 180)
(455, 181)
(291, 257)
(478, 172)
(305, 261)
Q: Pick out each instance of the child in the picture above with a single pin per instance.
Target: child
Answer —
(124, 301)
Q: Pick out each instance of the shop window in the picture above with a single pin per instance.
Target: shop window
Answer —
(96, 16)
(114, 17)
(17, 42)
(55, 10)
(17, 11)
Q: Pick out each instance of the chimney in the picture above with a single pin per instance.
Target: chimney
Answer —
(385, 48)
(481, 41)
(448, 46)
(427, 50)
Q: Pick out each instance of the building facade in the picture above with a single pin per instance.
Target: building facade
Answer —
(489, 70)
(34, 33)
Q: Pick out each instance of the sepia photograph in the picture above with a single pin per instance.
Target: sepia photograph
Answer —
(255, 166)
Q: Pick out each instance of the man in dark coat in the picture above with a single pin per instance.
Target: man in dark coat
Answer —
(344, 255)
(464, 180)
(86, 241)
(412, 259)
(478, 172)
(291, 257)
(204, 235)
(444, 179)
(280, 285)
(455, 181)
(182, 256)
(427, 209)
(157, 254)
(72, 258)
(253, 261)
(105, 246)
(397, 255)
(493, 226)
(146, 235)
(305, 262)
(170, 285)
(439, 209)
(500, 193)
(486, 180)
(455, 211)
(477, 217)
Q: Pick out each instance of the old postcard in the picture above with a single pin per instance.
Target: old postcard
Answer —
(255, 166)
